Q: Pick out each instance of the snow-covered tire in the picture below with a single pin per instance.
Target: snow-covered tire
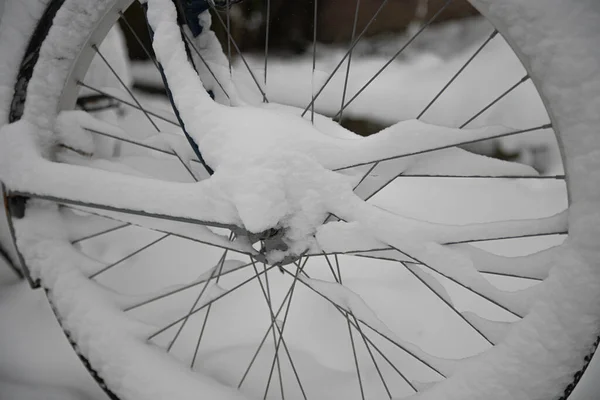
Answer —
(545, 353)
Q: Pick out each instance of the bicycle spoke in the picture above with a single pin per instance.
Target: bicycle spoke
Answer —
(472, 287)
(202, 307)
(273, 321)
(206, 316)
(130, 104)
(133, 142)
(341, 62)
(457, 74)
(314, 59)
(229, 41)
(509, 177)
(127, 257)
(338, 279)
(104, 232)
(457, 142)
(180, 288)
(237, 49)
(139, 40)
(342, 311)
(408, 43)
(191, 43)
(262, 342)
(267, 32)
(139, 213)
(287, 312)
(116, 75)
(496, 100)
(341, 112)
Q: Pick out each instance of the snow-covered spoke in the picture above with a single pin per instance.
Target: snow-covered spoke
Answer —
(419, 138)
(533, 266)
(188, 231)
(448, 162)
(395, 230)
(400, 51)
(122, 97)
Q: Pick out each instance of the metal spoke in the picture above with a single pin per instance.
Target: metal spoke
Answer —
(127, 257)
(170, 325)
(510, 237)
(171, 153)
(287, 313)
(212, 275)
(341, 112)
(180, 289)
(123, 210)
(461, 285)
(125, 86)
(338, 66)
(262, 342)
(314, 60)
(496, 100)
(414, 153)
(267, 32)
(338, 279)
(104, 232)
(457, 74)
(342, 311)
(191, 43)
(206, 316)
(229, 41)
(216, 12)
(408, 43)
(128, 103)
(513, 177)
(358, 328)
(267, 295)
(139, 40)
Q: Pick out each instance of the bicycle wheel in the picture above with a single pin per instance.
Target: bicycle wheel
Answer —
(312, 198)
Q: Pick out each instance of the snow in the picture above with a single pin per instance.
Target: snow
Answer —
(292, 187)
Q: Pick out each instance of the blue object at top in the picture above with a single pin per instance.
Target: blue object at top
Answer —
(192, 9)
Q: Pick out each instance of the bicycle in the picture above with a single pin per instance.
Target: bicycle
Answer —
(280, 190)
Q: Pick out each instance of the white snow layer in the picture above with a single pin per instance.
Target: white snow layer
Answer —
(281, 176)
